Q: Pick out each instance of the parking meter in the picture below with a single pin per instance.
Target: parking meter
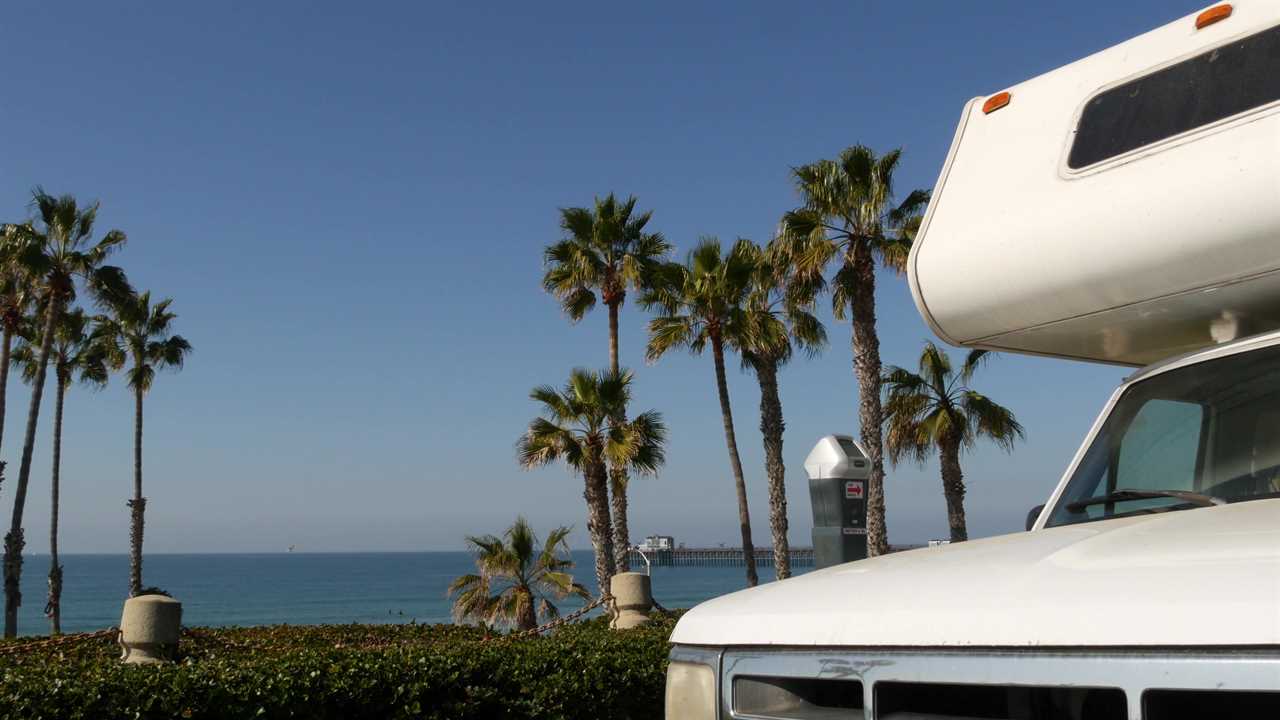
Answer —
(838, 470)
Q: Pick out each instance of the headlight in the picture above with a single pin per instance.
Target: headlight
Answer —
(691, 691)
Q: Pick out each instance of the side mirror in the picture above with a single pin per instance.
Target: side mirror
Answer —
(1034, 515)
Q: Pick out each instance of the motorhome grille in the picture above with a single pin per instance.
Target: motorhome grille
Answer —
(1213, 86)
(1188, 704)
(797, 698)
(940, 701)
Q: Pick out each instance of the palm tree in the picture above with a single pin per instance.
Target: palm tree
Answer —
(700, 303)
(16, 293)
(517, 581)
(74, 357)
(935, 408)
(848, 219)
(605, 252)
(582, 425)
(55, 250)
(775, 320)
(137, 332)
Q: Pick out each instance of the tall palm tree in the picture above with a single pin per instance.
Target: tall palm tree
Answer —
(776, 321)
(605, 252)
(17, 290)
(56, 251)
(139, 334)
(583, 426)
(517, 581)
(848, 220)
(74, 358)
(703, 303)
(936, 409)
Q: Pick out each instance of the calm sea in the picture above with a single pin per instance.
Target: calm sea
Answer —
(306, 588)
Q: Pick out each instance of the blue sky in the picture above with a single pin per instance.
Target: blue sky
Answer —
(348, 203)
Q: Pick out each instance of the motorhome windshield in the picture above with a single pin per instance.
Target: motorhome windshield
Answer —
(1183, 439)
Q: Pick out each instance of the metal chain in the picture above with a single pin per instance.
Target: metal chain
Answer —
(114, 632)
(201, 634)
(11, 649)
(551, 625)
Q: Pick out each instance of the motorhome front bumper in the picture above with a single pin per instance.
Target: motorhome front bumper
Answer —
(1040, 684)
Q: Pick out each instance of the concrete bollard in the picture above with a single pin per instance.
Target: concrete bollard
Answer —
(149, 629)
(633, 597)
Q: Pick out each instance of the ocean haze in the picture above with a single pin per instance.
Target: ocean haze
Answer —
(310, 588)
(349, 203)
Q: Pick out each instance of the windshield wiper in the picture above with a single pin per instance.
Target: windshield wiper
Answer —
(1198, 499)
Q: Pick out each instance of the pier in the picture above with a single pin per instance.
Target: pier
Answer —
(678, 557)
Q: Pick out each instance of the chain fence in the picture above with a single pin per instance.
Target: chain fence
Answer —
(553, 624)
(16, 648)
(203, 635)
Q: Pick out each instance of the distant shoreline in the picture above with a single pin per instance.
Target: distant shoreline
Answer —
(64, 554)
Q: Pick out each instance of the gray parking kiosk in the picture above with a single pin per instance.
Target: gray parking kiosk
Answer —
(838, 470)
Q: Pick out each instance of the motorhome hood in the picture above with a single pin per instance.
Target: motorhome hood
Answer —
(1202, 577)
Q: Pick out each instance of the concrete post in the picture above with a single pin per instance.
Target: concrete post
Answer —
(633, 596)
(149, 629)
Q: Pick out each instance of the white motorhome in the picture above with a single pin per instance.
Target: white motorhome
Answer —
(1121, 209)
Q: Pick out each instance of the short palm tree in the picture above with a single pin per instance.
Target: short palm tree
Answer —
(848, 220)
(776, 322)
(605, 252)
(139, 334)
(703, 303)
(56, 251)
(74, 359)
(583, 426)
(517, 579)
(936, 409)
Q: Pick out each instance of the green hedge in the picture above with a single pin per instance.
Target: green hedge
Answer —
(350, 672)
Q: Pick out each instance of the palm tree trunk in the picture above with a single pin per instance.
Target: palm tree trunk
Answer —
(613, 338)
(138, 504)
(598, 524)
(6, 347)
(527, 618)
(14, 541)
(618, 505)
(618, 475)
(771, 428)
(53, 609)
(866, 368)
(4, 384)
(744, 516)
(953, 489)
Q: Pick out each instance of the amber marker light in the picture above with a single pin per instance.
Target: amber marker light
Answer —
(1213, 15)
(995, 102)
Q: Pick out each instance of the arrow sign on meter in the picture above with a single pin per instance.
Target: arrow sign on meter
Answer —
(853, 490)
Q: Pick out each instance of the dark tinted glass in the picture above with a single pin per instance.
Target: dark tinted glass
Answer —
(1204, 89)
(798, 698)
(998, 702)
(1194, 704)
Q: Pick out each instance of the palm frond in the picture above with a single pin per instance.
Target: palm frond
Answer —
(546, 442)
(991, 420)
(935, 367)
(672, 331)
(638, 444)
(972, 363)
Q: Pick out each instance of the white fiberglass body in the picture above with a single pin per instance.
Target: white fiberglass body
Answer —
(1128, 256)
(1207, 577)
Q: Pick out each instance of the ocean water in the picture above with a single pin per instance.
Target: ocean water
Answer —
(307, 588)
